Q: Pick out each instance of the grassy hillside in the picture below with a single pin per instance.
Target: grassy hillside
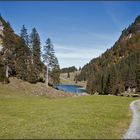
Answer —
(23, 115)
(38, 89)
(65, 80)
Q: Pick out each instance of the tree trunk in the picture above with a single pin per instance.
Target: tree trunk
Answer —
(7, 68)
(46, 80)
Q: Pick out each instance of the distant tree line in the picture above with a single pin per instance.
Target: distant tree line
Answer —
(21, 56)
(68, 69)
(118, 69)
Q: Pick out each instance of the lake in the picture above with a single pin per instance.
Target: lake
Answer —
(71, 88)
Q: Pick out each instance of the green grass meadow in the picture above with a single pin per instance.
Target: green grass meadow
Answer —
(24, 116)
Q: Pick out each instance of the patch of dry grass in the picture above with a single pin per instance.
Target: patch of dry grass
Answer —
(38, 89)
(65, 80)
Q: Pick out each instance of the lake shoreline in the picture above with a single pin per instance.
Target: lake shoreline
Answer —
(71, 88)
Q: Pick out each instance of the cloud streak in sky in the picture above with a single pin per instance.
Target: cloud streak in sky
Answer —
(80, 51)
(70, 55)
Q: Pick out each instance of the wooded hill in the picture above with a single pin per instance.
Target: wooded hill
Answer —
(68, 69)
(20, 56)
(118, 69)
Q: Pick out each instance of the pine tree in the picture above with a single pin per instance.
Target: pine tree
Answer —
(55, 76)
(68, 75)
(51, 62)
(102, 84)
(91, 85)
(120, 87)
(31, 75)
(112, 81)
(28, 59)
(36, 53)
(130, 79)
(9, 47)
(108, 88)
(2, 69)
(21, 59)
(17, 59)
(24, 35)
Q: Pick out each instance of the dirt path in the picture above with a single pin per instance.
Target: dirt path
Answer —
(134, 128)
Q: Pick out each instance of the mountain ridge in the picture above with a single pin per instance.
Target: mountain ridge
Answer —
(127, 46)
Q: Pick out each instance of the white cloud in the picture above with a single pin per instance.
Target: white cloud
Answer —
(75, 55)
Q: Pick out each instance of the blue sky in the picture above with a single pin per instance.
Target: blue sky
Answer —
(79, 31)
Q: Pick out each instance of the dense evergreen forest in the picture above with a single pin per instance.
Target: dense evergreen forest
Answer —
(21, 56)
(118, 69)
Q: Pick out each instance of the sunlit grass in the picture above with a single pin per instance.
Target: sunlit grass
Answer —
(24, 116)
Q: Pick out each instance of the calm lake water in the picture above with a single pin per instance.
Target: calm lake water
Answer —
(71, 88)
